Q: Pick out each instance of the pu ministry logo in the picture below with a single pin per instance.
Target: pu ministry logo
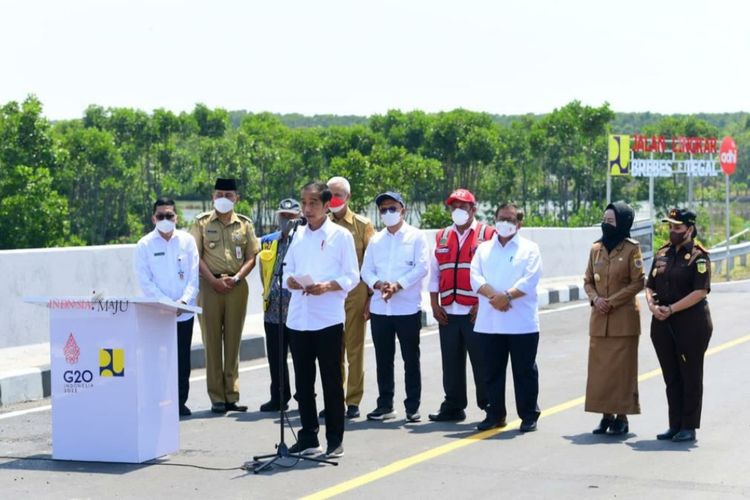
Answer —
(111, 362)
(619, 155)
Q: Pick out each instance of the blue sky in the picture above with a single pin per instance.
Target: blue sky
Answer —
(364, 57)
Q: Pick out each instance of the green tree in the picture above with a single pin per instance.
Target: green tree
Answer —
(32, 213)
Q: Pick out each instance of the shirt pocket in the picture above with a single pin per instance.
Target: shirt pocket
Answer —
(157, 260)
(211, 240)
(406, 255)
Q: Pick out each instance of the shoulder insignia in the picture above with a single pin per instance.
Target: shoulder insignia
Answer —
(632, 240)
(701, 265)
(698, 257)
(245, 218)
(361, 218)
(203, 215)
(597, 245)
(700, 247)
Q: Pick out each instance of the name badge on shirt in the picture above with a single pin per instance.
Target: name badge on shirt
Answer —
(442, 250)
(238, 252)
(409, 262)
(159, 254)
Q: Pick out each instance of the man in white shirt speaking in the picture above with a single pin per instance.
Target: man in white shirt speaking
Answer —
(320, 269)
(395, 264)
(505, 272)
(166, 264)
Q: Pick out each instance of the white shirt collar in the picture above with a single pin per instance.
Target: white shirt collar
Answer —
(473, 226)
(325, 227)
(156, 235)
(513, 241)
(401, 231)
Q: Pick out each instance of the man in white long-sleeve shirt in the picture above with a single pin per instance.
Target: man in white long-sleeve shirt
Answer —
(395, 265)
(320, 268)
(505, 272)
(166, 263)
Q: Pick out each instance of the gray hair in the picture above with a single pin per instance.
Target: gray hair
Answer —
(340, 180)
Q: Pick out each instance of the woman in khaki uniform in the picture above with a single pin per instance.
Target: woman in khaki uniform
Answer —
(613, 278)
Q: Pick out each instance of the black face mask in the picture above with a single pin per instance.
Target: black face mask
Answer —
(608, 230)
(676, 238)
(611, 237)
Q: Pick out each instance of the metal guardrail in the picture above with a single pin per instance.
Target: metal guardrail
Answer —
(643, 231)
(719, 255)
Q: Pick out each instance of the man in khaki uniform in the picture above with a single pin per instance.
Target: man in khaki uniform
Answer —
(357, 300)
(227, 246)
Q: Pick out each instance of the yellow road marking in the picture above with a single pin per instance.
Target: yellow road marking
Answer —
(407, 462)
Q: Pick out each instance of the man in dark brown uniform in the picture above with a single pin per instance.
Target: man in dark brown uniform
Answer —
(681, 327)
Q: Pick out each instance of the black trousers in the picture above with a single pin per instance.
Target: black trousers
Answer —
(522, 351)
(272, 352)
(385, 329)
(687, 334)
(325, 347)
(184, 340)
(456, 338)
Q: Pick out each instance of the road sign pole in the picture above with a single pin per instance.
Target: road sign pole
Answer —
(729, 259)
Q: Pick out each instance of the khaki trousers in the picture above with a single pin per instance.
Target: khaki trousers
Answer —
(221, 326)
(354, 345)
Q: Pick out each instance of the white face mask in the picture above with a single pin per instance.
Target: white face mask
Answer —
(505, 228)
(460, 216)
(165, 226)
(336, 209)
(223, 205)
(391, 218)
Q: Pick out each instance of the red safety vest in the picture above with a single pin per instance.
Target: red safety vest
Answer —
(455, 264)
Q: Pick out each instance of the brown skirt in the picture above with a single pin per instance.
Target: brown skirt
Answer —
(612, 384)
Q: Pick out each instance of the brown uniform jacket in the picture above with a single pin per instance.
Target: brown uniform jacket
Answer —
(617, 276)
(224, 248)
(362, 230)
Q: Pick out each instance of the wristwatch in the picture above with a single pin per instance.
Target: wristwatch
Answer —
(236, 280)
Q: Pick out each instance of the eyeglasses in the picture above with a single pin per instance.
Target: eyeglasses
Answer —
(507, 219)
(390, 209)
(165, 215)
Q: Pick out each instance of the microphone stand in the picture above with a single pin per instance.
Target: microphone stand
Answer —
(282, 450)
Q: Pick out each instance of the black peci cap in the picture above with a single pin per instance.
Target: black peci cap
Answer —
(225, 184)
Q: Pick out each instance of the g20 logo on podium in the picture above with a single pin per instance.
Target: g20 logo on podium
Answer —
(111, 362)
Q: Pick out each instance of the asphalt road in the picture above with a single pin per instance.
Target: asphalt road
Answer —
(421, 460)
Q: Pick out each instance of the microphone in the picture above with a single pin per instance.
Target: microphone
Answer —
(302, 221)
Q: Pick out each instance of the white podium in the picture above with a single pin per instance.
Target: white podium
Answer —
(113, 377)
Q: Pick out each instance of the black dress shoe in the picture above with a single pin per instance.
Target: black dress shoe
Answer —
(527, 426)
(219, 408)
(684, 435)
(352, 411)
(447, 416)
(667, 435)
(235, 407)
(272, 406)
(619, 427)
(603, 426)
(322, 414)
(491, 423)
(185, 411)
